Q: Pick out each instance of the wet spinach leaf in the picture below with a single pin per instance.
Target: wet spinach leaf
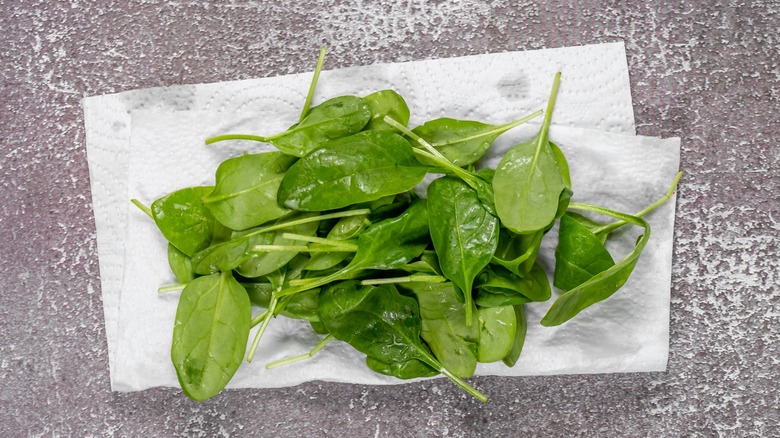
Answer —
(386, 103)
(497, 329)
(180, 264)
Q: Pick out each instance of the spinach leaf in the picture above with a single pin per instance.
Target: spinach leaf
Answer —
(517, 345)
(517, 252)
(210, 334)
(381, 323)
(180, 264)
(580, 254)
(386, 103)
(262, 263)
(184, 220)
(464, 141)
(428, 263)
(497, 328)
(245, 193)
(528, 182)
(602, 285)
(497, 287)
(464, 233)
(444, 328)
(410, 369)
(360, 168)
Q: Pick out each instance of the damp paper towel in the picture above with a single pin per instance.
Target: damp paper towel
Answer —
(145, 143)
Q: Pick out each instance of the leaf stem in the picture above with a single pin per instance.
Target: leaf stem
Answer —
(236, 137)
(301, 357)
(414, 278)
(171, 288)
(351, 247)
(261, 330)
(608, 228)
(421, 141)
(307, 220)
(142, 207)
(313, 85)
(299, 248)
(551, 104)
(260, 318)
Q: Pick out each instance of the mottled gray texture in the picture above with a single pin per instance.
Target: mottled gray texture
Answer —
(709, 74)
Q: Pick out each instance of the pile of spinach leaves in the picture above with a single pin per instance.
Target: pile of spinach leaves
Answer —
(330, 231)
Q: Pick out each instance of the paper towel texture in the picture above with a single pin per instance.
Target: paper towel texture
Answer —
(168, 147)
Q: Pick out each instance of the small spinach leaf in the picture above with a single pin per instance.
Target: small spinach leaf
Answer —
(497, 328)
(497, 287)
(184, 220)
(517, 252)
(517, 345)
(580, 254)
(180, 264)
(210, 334)
(386, 103)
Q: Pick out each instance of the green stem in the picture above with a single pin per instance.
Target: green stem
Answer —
(299, 248)
(260, 318)
(347, 246)
(432, 361)
(307, 220)
(550, 105)
(661, 201)
(498, 129)
(171, 288)
(142, 207)
(261, 330)
(421, 141)
(236, 137)
(313, 85)
(415, 278)
(305, 284)
(301, 357)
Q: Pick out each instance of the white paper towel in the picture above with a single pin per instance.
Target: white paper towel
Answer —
(167, 152)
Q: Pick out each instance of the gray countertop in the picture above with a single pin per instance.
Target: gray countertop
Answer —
(709, 74)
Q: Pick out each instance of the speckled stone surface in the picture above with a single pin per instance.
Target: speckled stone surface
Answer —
(707, 73)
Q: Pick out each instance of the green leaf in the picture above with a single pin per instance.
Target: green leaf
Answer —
(184, 220)
(517, 345)
(360, 168)
(517, 252)
(463, 141)
(444, 327)
(528, 182)
(245, 194)
(428, 263)
(497, 328)
(602, 285)
(410, 369)
(464, 233)
(180, 264)
(497, 287)
(386, 103)
(580, 254)
(210, 334)
(335, 118)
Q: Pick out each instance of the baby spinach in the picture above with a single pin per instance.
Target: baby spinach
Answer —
(335, 118)
(528, 182)
(497, 287)
(180, 264)
(245, 193)
(263, 263)
(602, 285)
(464, 141)
(386, 103)
(184, 220)
(464, 233)
(210, 334)
(517, 252)
(497, 328)
(580, 254)
(444, 328)
(381, 323)
(361, 168)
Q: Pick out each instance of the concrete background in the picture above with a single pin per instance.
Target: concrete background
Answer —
(705, 71)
